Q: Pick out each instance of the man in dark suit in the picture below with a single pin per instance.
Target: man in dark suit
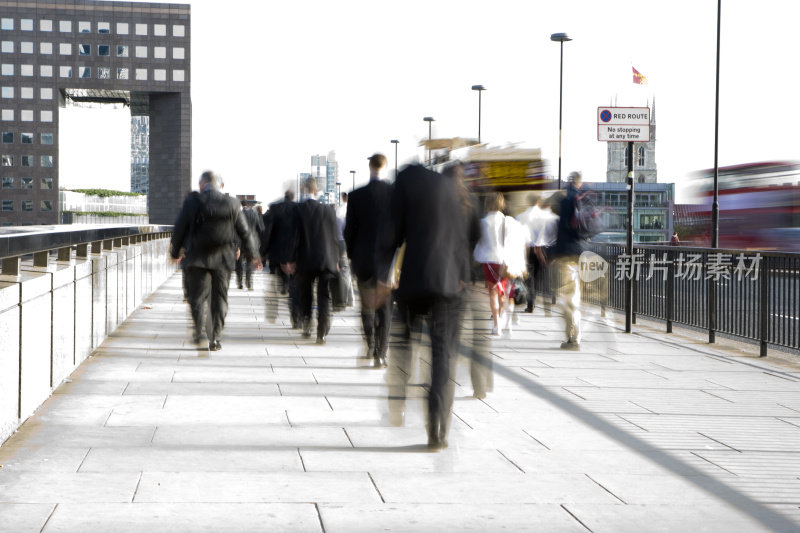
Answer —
(207, 228)
(314, 256)
(275, 248)
(244, 264)
(368, 207)
(425, 214)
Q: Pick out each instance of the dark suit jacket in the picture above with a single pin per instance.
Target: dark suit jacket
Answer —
(426, 214)
(278, 232)
(207, 228)
(315, 243)
(367, 209)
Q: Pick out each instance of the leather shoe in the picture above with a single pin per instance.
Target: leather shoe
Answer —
(379, 362)
(214, 346)
(321, 340)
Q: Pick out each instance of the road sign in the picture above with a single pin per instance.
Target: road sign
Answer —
(623, 124)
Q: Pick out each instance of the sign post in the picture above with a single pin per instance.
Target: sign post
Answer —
(626, 124)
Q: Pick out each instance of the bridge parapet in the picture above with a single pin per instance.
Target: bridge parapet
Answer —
(63, 290)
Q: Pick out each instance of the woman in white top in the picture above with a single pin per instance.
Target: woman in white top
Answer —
(490, 253)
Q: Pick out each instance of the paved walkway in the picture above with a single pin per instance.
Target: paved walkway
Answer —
(642, 432)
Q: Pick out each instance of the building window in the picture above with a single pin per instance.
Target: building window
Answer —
(26, 24)
(47, 116)
(141, 29)
(26, 47)
(26, 183)
(122, 50)
(640, 156)
(7, 69)
(47, 162)
(26, 138)
(27, 205)
(160, 30)
(46, 48)
(160, 74)
(103, 50)
(122, 73)
(122, 28)
(141, 51)
(26, 115)
(26, 70)
(26, 93)
(141, 74)
(65, 26)
(7, 160)
(103, 27)
(7, 47)
(45, 25)
(178, 30)
(177, 75)
(8, 182)
(27, 160)
(8, 92)
(160, 52)
(65, 49)
(46, 71)
(178, 53)
(65, 72)
(46, 205)
(8, 205)
(84, 72)
(46, 93)
(7, 114)
(46, 138)
(84, 49)
(8, 137)
(7, 24)
(103, 73)
(46, 184)
(84, 27)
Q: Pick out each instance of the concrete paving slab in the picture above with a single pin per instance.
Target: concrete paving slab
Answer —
(37, 433)
(24, 517)
(62, 487)
(234, 437)
(191, 459)
(41, 458)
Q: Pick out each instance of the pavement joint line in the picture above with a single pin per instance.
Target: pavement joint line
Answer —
(574, 393)
(302, 463)
(721, 398)
(136, 490)
(329, 402)
(719, 442)
(348, 438)
(563, 506)
(286, 412)
(713, 463)
(376, 487)
(789, 408)
(643, 407)
(605, 489)
(153, 436)
(512, 462)
(319, 517)
(49, 516)
(633, 423)
(83, 460)
(658, 375)
(109, 416)
(545, 446)
(462, 420)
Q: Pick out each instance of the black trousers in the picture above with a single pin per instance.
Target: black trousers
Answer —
(244, 267)
(444, 325)
(208, 291)
(535, 269)
(376, 320)
(305, 286)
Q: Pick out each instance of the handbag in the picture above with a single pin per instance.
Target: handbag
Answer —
(520, 294)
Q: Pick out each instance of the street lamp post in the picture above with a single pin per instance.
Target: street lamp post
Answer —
(560, 37)
(430, 121)
(480, 89)
(395, 142)
(353, 172)
(338, 193)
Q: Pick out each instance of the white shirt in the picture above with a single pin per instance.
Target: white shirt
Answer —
(542, 225)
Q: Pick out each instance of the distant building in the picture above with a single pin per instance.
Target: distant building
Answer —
(654, 204)
(140, 154)
(644, 158)
(325, 170)
(77, 207)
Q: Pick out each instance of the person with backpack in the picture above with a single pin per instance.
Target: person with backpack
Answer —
(207, 228)
(574, 228)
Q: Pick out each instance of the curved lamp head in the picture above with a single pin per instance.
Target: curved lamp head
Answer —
(478, 88)
(429, 119)
(560, 37)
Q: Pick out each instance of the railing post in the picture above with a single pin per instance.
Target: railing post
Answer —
(712, 304)
(82, 251)
(40, 259)
(108, 244)
(11, 266)
(763, 307)
(64, 254)
(670, 303)
(97, 247)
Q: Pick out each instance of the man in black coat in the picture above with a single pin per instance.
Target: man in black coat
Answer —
(314, 256)
(245, 264)
(207, 228)
(427, 216)
(275, 248)
(367, 209)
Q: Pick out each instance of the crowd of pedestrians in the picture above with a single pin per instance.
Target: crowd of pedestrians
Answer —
(410, 247)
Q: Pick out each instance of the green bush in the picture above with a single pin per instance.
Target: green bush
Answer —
(104, 193)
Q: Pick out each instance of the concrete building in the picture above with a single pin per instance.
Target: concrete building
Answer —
(140, 154)
(78, 207)
(55, 53)
(325, 169)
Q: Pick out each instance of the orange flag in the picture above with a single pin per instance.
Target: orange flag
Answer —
(638, 77)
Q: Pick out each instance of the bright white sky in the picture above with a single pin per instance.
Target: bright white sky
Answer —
(293, 79)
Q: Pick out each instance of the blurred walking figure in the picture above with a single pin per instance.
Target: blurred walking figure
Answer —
(368, 209)
(426, 216)
(490, 252)
(207, 227)
(244, 263)
(542, 226)
(516, 241)
(570, 243)
(314, 257)
(344, 262)
(275, 248)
